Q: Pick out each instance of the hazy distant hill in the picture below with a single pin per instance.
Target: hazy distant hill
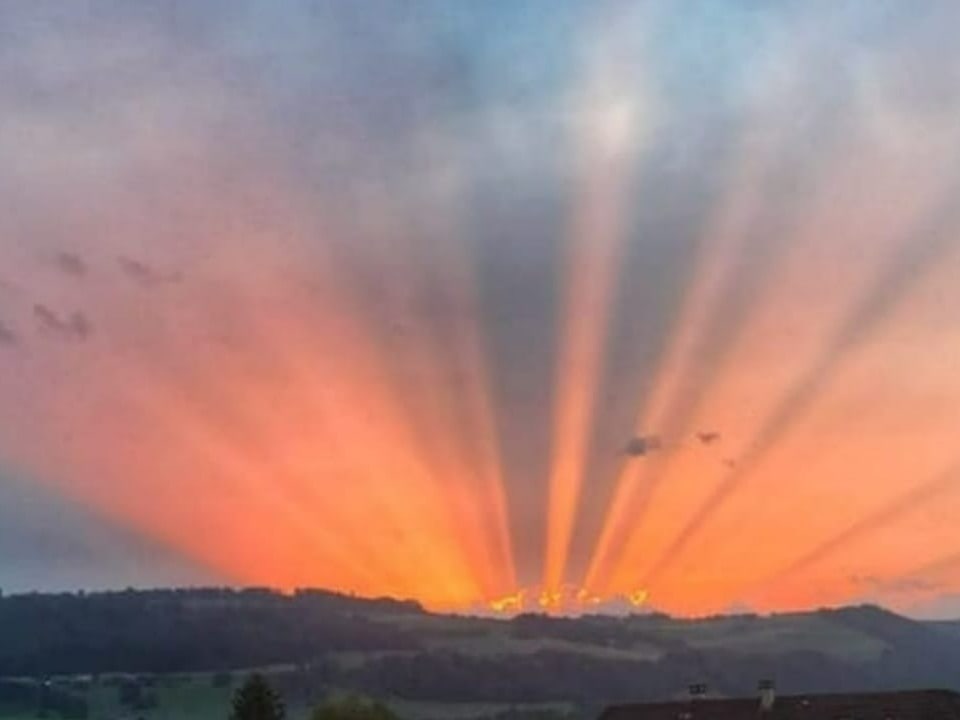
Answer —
(315, 641)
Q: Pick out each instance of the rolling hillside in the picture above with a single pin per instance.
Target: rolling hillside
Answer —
(173, 650)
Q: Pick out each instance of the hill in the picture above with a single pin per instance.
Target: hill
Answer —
(315, 642)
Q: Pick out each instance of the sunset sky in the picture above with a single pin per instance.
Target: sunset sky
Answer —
(541, 304)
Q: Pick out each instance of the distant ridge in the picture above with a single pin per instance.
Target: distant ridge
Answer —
(393, 648)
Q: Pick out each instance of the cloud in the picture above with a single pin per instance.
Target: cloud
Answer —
(643, 445)
(908, 584)
(74, 327)
(7, 336)
(71, 264)
(146, 275)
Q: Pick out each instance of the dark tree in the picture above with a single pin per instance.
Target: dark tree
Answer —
(256, 700)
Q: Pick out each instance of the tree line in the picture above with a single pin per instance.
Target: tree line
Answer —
(168, 631)
(256, 699)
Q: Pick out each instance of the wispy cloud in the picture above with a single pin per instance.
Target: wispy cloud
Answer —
(7, 336)
(74, 326)
(146, 275)
(897, 585)
(70, 264)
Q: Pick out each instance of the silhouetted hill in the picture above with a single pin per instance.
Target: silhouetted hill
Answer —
(314, 640)
(189, 630)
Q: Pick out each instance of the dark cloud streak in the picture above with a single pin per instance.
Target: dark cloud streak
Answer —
(75, 327)
(71, 264)
(7, 336)
(146, 275)
(642, 446)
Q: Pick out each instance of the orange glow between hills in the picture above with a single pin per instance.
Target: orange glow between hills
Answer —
(567, 600)
(509, 604)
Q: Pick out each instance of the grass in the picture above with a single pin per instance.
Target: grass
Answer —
(192, 698)
(195, 698)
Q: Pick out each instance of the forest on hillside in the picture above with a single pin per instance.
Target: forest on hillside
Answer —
(314, 642)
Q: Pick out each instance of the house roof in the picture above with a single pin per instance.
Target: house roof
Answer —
(919, 705)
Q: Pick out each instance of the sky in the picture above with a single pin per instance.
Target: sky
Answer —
(515, 305)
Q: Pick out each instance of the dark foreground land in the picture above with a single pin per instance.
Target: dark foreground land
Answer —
(180, 654)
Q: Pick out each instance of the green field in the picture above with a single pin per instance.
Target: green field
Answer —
(194, 697)
(180, 698)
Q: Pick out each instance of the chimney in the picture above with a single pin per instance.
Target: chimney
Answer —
(768, 695)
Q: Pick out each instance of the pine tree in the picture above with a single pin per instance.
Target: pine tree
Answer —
(256, 700)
